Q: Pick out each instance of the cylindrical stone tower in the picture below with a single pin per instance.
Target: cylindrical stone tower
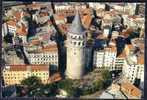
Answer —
(76, 42)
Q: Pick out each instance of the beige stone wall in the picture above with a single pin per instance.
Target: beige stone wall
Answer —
(75, 62)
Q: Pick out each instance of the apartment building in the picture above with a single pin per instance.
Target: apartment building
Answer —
(14, 74)
(134, 66)
(105, 58)
(46, 55)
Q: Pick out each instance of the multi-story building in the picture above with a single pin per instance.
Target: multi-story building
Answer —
(12, 58)
(47, 55)
(120, 61)
(12, 26)
(60, 19)
(136, 70)
(106, 31)
(96, 5)
(134, 66)
(105, 58)
(76, 43)
(130, 8)
(14, 74)
(98, 58)
(109, 58)
(4, 29)
(22, 32)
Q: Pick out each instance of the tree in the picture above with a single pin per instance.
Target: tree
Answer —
(107, 80)
(67, 85)
(51, 89)
(106, 74)
(98, 85)
(32, 82)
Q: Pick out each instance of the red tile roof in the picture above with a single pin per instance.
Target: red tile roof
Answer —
(130, 89)
(87, 20)
(127, 32)
(140, 59)
(111, 49)
(26, 67)
(18, 67)
(39, 68)
(54, 78)
(22, 31)
(35, 42)
(50, 48)
(17, 15)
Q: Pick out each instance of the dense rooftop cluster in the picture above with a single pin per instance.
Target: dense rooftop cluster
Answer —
(54, 42)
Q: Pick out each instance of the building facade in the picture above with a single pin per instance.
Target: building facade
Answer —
(48, 56)
(14, 74)
(134, 68)
(105, 58)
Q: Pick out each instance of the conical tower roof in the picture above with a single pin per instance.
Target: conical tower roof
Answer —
(77, 27)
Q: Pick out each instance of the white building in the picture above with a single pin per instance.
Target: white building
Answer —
(48, 56)
(14, 74)
(98, 59)
(131, 7)
(62, 7)
(59, 19)
(97, 5)
(120, 61)
(106, 32)
(134, 69)
(105, 58)
(4, 29)
(11, 26)
(109, 58)
(76, 43)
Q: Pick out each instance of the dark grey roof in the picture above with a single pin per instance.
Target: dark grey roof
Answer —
(77, 27)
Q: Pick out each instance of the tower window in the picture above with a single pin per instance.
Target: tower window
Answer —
(74, 43)
(75, 37)
(79, 43)
(79, 37)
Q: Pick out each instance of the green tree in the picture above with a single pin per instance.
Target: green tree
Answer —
(97, 85)
(67, 85)
(50, 89)
(107, 80)
(32, 82)
(106, 74)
